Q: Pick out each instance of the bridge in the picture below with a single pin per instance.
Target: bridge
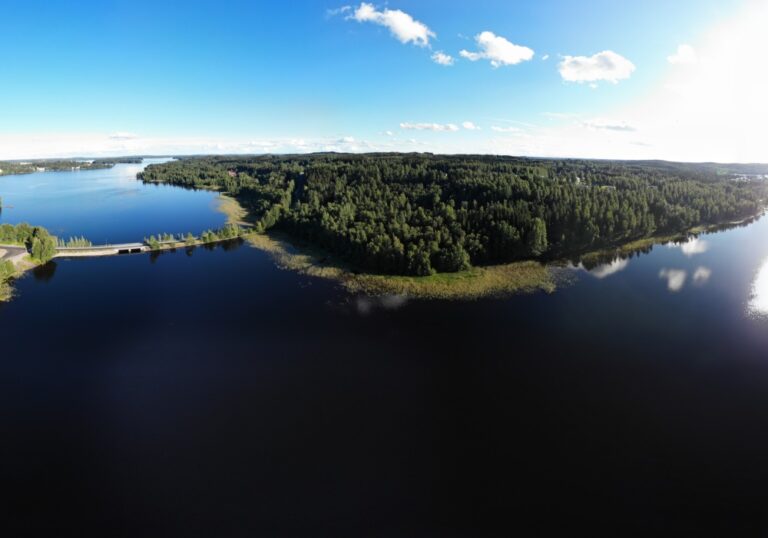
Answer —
(101, 250)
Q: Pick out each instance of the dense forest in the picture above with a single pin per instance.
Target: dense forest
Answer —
(28, 167)
(415, 214)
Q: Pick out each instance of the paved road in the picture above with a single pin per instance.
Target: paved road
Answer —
(8, 252)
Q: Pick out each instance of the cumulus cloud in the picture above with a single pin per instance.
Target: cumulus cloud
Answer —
(442, 58)
(469, 126)
(545, 57)
(685, 54)
(603, 66)
(498, 50)
(675, 278)
(402, 26)
(445, 127)
(609, 125)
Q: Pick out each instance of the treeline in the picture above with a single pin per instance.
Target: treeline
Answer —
(73, 242)
(40, 244)
(55, 165)
(111, 161)
(415, 214)
(230, 231)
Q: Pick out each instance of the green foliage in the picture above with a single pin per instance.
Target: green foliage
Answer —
(6, 270)
(416, 214)
(74, 242)
(40, 243)
(230, 231)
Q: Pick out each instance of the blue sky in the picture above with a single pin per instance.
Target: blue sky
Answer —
(107, 76)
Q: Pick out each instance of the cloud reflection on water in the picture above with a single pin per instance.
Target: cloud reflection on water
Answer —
(675, 278)
(692, 247)
(758, 302)
(701, 275)
(608, 269)
(365, 304)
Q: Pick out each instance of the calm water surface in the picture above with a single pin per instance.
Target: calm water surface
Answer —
(209, 393)
(106, 206)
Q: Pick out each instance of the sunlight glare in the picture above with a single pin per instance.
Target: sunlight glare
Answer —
(758, 303)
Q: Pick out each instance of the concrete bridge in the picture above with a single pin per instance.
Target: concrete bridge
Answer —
(101, 250)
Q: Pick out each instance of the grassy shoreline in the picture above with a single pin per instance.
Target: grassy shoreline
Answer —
(474, 283)
(7, 291)
(477, 282)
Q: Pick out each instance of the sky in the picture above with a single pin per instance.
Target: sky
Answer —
(683, 80)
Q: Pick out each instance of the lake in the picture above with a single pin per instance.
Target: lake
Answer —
(107, 205)
(210, 393)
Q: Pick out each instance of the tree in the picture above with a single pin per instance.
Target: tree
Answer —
(537, 237)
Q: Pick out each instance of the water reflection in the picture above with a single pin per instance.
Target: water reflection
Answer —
(608, 269)
(44, 273)
(701, 275)
(675, 278)
(758, 303)
(364, 304)
(692, 247)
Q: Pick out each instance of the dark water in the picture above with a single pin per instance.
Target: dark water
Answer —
(212, 394)
(106, 206)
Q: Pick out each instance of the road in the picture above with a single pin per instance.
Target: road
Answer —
(13, 253)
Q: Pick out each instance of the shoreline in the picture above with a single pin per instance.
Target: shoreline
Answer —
(520, 277)
(477, 282)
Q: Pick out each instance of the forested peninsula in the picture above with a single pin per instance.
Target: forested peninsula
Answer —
(421, 214)
(56, 165)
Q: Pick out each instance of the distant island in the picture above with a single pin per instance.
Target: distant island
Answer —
(57, 165)
(421, 215)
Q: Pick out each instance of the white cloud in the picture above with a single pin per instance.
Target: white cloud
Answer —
(505, 129)
(337, 11)
(675, 278)
(701, 275)
(606, 65)
(441, 58)
(609, 125)
(545, 58)
(469, 126)
(685, 54)
(445, 127)
(402, 26)
(497, 50)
